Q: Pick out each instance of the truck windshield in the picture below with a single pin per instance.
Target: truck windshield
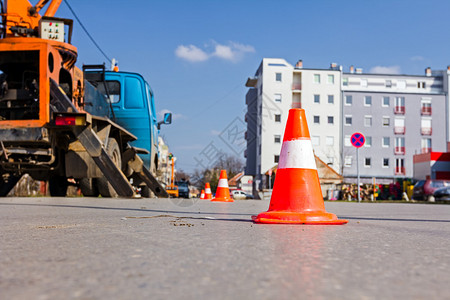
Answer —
(19, 85)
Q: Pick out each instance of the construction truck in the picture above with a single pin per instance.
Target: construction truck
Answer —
(57, 121)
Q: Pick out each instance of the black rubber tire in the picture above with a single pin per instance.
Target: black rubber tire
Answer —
(104, 187)
(58, 186)
(7, 186)
(145, 192)
(88, 187)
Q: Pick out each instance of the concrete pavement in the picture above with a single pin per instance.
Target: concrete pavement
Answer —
(94, 248)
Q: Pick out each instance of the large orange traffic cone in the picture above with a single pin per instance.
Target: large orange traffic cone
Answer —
(223, 192)
(202, 195)
(297, 196)
(208, 194)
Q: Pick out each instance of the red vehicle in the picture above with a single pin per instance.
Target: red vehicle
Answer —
(424, 189)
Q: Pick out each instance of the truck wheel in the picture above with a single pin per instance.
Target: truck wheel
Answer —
(88, 187)
(145, 191)
(7, 185)
(58, 186)
(431, 198)
(104, 187)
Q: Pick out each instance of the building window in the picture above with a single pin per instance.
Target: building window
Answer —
(277, 97)
(329, 140)
(426, 145)
(331, 79)
(367, 162)
(386, 121)
(348, 100)
(368, 121)
(388, 83)
(276, 158)
(399, 146)
(316, 98)
(401, 84)
(278, 118)
(400, 166)
(367, 100)
(348, 120)
(348, 161)
(368, 142)
(315, 140)
(385, 102)
(386, 142)
(425, 107)
(316, 78)
(277, 139)
(385, 162)
(425, 126)
(316, 119)
(347, 142)
(345, 81)
(330, 120)
(364, 82)
(399, 126)
(421, 84)
(278, 77)
(331, 99)
(399, 108)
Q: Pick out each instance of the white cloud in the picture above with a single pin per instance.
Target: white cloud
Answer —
(385, 70)
(191, 53)
(174, 116)
(417, 58)
(232, 52)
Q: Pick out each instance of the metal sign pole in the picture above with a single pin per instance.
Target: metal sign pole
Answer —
(357, 173)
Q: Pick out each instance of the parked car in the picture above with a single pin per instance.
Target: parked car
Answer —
(424, 189)
(442, 194)
(240, 195)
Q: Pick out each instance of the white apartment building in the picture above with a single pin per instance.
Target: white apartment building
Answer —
(277, 87)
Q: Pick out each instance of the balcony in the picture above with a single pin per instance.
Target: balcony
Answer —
(400, 171)
(426, 111)
(426, 150)
(296, 105)
(399, 150)
(399, 130)
(399, 110)
(296, 86)
(425, 131)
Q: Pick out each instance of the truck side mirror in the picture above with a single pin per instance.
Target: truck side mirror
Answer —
(167, 120)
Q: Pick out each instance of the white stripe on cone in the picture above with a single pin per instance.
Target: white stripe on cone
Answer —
(208, 191)
(223, 183)
(297, 154)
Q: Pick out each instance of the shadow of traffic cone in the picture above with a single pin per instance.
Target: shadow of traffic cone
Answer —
(208, 195)
(223, 192)
(202, 195)
(297, 196)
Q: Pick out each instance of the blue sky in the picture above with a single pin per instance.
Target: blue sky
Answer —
(197, 55)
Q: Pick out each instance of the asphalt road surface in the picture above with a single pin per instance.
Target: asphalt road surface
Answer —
(86, 248)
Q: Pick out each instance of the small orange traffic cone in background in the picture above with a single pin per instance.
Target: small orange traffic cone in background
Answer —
(202, 195)
(297, 196)
(208, 194)
(223, 192)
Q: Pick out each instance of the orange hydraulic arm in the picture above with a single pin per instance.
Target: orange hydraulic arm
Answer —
(20, 13)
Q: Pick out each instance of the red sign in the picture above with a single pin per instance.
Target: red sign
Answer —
(357, 139)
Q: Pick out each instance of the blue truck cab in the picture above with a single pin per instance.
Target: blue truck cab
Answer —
(132, 106)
